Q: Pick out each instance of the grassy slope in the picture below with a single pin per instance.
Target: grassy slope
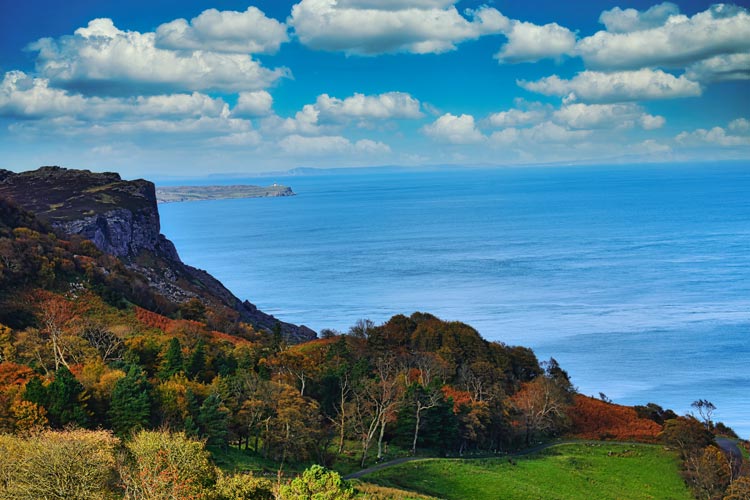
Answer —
(577, 471)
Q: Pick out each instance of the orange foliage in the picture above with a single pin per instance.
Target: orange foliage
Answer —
(13, 374)
(460, 398)
(595, 419)
(181, 326)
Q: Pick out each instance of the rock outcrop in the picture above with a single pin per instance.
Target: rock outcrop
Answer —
(122, 219)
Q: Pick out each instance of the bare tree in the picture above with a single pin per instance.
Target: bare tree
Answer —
(705, 409)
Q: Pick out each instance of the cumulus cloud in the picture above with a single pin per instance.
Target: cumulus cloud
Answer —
(618, 20)
(101, 59)
(542, 133)
(298, 145)
(389, 105)
(243, 139)
(22, 96)
(593, 86)
(366, 27)
(679, 41)
(736, 134)
(594, 116)
(252, 104)
(454, 129)
(249, 32)
(529, 42)
(721, 68)
(517, 117)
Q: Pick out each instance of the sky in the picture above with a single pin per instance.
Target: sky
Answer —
(190, 88)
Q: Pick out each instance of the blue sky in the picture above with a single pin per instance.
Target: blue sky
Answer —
(196, 87)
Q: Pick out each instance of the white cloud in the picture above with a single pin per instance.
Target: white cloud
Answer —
(418, 26)
(454, 129)
(651, 146)
(679, 41)
(530, 42)
(22, 96)
(618, 20)
(305, 122)
(542, 133)
(740, 126)
(248, 138)
(738, 134)
(593, 86)
(515, 117)
(385, 106)
(297, 145)
(101, 59)
(721, 68)
(593, 116)
(252, 104)
(249, 32)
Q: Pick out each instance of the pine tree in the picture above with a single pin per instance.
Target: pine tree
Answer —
(130, 407)
(67, 404)
(197, 363)
(173, 362)
(213, 421)
(35, 392)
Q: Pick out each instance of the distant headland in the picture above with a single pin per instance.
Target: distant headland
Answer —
(173, 194)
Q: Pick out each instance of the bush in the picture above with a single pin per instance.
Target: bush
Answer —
(163, 466)
(67, 465)
(243, 487)
(317, 483)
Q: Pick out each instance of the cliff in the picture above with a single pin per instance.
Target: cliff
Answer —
(122, 219)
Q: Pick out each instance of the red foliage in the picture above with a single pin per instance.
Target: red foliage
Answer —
(153, 320)
(460, 398)
(595, 419)
(13, 374)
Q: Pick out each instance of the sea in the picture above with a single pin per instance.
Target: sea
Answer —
(635, 278)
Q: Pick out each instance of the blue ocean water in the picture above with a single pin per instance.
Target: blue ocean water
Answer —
(635, 278)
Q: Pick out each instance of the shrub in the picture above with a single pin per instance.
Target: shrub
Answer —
(163, 466)
(66, 465)
(317, 483)
(243, 487)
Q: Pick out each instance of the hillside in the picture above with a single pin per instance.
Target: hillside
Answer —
(121, 218)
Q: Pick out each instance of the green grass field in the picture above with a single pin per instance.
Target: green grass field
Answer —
(571, 471)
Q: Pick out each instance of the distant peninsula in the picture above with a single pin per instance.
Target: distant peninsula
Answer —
(173, 194)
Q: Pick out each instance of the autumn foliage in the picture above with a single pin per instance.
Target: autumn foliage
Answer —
(596, 419)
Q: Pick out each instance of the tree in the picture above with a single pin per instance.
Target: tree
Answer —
(213, 419)
(739, 489)
(687, 435)
(173, 362)
(317, 483)
(130, 406)
(67, 401)
(541, 405)
(708, 472)
(196, 365)
(243, 487)
(705, 409)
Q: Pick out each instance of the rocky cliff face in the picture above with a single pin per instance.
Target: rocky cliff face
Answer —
(122, 219)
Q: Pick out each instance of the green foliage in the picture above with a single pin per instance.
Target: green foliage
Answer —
(196, 364)
(66, 403)
(212, 421)
(317, 483)
(243, 487)
(173, 362)
(36, 392)
(130, 407)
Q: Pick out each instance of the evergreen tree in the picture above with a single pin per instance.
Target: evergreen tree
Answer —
(67, 403)
(213, 419)
(35, 392)
(173, 362)
(131, 402)
(197, 363)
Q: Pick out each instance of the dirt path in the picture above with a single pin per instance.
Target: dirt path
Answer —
(733, 450)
